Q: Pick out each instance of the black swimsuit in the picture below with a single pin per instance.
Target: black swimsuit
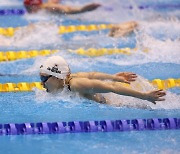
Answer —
(68, 85)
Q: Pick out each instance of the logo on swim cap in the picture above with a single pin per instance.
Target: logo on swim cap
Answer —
(55, 66)
(54, 69)
(32, 2)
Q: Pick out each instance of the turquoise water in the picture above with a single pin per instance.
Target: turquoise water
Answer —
(162, 62)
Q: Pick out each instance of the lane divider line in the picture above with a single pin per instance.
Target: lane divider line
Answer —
(91, 52)
(15, 55)
(90, 126)
(10, 31)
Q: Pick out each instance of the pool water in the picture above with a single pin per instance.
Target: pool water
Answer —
(159, 32)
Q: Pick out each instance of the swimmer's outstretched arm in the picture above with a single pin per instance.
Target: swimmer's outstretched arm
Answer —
(126, 25)
(125, 77)
(55, 7)
(87, 86)
(68, 9)
(123, 29)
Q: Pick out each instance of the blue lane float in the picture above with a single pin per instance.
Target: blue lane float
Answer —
(90, 126)
(12, 12)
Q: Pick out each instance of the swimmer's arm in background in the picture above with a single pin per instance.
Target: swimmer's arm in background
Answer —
(68, 9)
(87, 86)
(89, 7)
(55, 8)
(126, 25)
(122, 29)
(125, 77)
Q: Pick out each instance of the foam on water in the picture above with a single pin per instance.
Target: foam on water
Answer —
(161, 28)
(42, 16)
(34, 36)
(64, 97)
(141, 84)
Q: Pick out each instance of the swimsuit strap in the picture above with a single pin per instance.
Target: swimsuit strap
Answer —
(68, 85)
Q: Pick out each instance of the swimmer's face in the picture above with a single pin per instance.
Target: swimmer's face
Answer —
(51, 83)
(32, 8)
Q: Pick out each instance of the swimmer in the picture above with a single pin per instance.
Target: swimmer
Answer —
(53, 6)
(122, 29)
(21, 32)
(55, 75)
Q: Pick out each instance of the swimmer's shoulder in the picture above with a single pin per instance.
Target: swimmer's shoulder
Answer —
(76, 79)
(78, 83)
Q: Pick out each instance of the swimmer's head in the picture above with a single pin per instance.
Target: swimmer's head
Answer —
(32, 5)
(55, 66)
(53, 73)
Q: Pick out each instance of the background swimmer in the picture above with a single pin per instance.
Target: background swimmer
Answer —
(122, 29)
(55, 75)
(53, 6)
(117, 30)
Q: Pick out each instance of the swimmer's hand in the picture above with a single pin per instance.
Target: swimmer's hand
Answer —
(126, 77)
(154, 96)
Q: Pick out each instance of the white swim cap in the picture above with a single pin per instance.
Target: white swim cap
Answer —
(55, 66)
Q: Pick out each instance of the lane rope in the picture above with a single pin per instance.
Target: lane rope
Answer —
(10, 31)
(28, 86)
(90, 126)
(91, 27)
(16, 55)
(12, 12)
(91, 52)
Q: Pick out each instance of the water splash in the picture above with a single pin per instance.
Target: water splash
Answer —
(63, 98)
(34, 36)
(141, 84)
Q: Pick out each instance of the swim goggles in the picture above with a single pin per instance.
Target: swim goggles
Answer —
(44, 78)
